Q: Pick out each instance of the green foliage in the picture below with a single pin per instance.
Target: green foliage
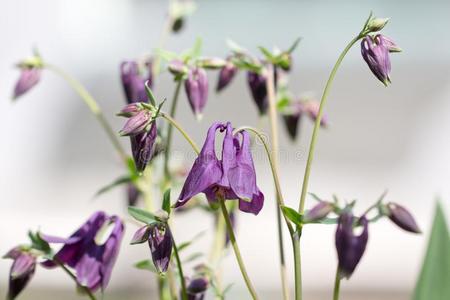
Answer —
(119, 181)
(292, 215)
(146, 265)
(141, 215)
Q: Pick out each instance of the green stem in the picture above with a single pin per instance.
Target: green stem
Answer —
(337, 285)
(181, 130)
(83, 288)
(323, 102)
(297, 265)
(216, 252)
(170, 130)
(180, 271)
(237, 252)
(162, 40)
(93, 106)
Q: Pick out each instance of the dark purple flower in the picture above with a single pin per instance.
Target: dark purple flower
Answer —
(196, 288)
(132, 194)
(29, 77)
(92, 250)
(21, 272)
(402, 218)
(350, 247)
(196, 86)
(257, 85)
(232, 177)
(319, 211)
(134, 82)
(226, 75)
(375, 52)
(292, 118)
(142, 146)
(160, 241)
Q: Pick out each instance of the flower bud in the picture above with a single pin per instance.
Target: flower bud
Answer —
(257, 85)
(177, 67)
(196, 86)
(226, 75)
(29, 77)
(402, 218)
(142, 147)
(312, 108)
(137, 123)
(376, 24)
(141, 235)
(21, 272)
(160, 242)
(292, 116)
(177, 25)
(196, 288)
(130, 110)
(211, 63)
(376, 55)
(319, 211)
(285, 61)
(133, 80)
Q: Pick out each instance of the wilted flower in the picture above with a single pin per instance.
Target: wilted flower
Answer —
(226, 75)
(133, 80)
(196, 288)
(402, 218)
(92, 250)
(319, 211)
(21, 272)
(29, 77)
(257, 85)
(375, 51)
(350, 247)
(196, 86)
(142, 146)
(233, 177)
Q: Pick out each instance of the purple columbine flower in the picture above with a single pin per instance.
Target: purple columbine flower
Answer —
(196, 288)
(375, 51)
(257, 85)
(92, 250)
(21, 272)
(232, 177)
(402, 218)
(134, 82)
(29, 77)
(350, 247)
(142, 146)
(226, 75)
(196, 86)
(292, 118)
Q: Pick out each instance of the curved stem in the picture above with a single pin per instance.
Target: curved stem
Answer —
(181, 130)
(68, 272)
(93, 106)
(323, 102)
(180, 271)
(170, 130)
(337, 285)
(237, 252)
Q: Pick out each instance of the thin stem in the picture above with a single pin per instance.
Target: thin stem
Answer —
(297, 265)
(170, 130)
(236, 249)
(84, 288)
(323, 102)
(162, 41)
(216, 251)
(181, 130)
(93, 106)
(270, 84)
(180, 271)
(337, 285)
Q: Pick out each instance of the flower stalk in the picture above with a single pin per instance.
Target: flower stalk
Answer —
(184, 295)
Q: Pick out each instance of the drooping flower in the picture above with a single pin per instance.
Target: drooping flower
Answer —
(196, 288)
(226, 75)
(375, 51)
(232, 177)
(196, 86)
(402, 218)
(21, 272)
(142, 146)
(29, 77)
(350, 247)
(91, 251)
(258, 89)
(133, 80)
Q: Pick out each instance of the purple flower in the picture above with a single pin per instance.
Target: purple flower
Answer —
(196, 288)
(292, 118)
(319, 211)
(134, 82)
(21, 272)
(92, 250)
(375, 51)
(312, 109)
(137, 123)
(388, 43)
(350, 247)
(196, 86)
(402, 218)
(29, 77)
(142, 146)
(232, 177)
(132, 194)
(226, 75)
(257, 85)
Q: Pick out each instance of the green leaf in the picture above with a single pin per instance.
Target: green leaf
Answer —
(269, 56)
(166, 201)
(150, 95)
(166, 55)
(38, 243)
(194, 52)
(146, 265)
(433, 282)
(141, 215)
(119, 181)
(294, 45)
(292, 215)
(283, 103)
(132, 169)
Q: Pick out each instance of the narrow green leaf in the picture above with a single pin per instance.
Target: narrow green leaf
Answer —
(38, 243)
(294, 45)
(434, 278)
(119, 181)
(292, 215)
(267, 54)
(150, 95)
(146, 265)
(283, 103)
(141, 215)
(166, 201)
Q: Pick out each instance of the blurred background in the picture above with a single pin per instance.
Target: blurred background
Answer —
(54, 156)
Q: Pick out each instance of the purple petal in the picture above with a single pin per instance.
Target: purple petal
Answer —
(141, 235)
(111, 251)
(258, 89)
(160, 242)
(29, 77)
(196, 86)
(142, 147)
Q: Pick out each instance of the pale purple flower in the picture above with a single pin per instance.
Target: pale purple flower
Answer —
(375, 51)
(319, 211)
(402, 218)
(29, 77)
(196, 86)
(137, 123)
(312, 109)
(232, 177)
(91, 251)
(21, 272)
(133, 80)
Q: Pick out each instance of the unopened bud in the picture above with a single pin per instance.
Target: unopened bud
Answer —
(177, 67)
(319, 211)
(376, 24)
(402, 218)
(211, 63)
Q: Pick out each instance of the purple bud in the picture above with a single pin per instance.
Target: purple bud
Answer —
(257, 84)
(29, 77)
(196, 86)
(130, 110)
(137, 123)
(142, 147)
(141, 235)
(226, 75)
(160, 242)
(134, 82)
(132, 194)
(402, 218)
(292, 118)
(21, 272)
(376, 54)
(350, 247)
(196, 288)
(319, 211)
(312, 108)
